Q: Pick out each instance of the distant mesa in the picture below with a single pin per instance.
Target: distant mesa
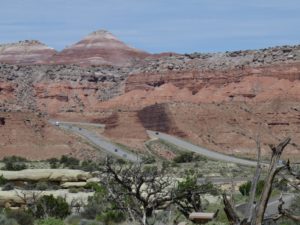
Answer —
(25, 52)
(98, 48)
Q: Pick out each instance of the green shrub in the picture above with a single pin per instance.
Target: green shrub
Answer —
(42, 186)
(54, 163)
(51, 206)
(6, 221)
(22, 217)
(81, 189)
(111, 217)
(102, 207)
(69, 162)
(73, 190)
(121, 161)
(14, 163)
(50, 221)
(14, 159)
(166, 164)
(260, 187)
(97, 204)
(3, 181)
(184, 157)
(8, 187)
(95, 187)
(89, 166)
(245, 188)
(282, 185)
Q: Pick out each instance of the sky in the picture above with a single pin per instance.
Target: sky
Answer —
(182, 26)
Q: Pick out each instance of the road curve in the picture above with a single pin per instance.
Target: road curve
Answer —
(203, 151)
(272, 207)
(96, 139)
(222, 180)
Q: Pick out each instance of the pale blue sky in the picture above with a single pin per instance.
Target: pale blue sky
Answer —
(155, 25)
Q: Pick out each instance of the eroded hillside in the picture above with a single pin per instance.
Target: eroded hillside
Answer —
(217, 100)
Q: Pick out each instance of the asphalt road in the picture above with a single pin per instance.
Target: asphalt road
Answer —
(223, 180)
(81, 124)
(272, 207)
(96, 139)
(273, 204)
(203, 151)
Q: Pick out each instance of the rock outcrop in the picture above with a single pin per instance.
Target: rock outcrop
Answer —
(58, 175)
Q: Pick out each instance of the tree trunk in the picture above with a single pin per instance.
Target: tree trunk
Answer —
(273, 170)
(251, 204)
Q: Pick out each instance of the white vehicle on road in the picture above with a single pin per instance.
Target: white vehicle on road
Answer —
(56, 123)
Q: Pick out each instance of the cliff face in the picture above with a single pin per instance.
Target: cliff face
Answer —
(217, 100)
(57, 88)
(195, 71)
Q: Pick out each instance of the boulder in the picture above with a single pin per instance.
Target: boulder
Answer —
(93, 180)
(73, 184)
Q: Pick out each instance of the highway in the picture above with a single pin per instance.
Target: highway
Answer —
(96, 139)
(273, 204)
(80, 124)
(272, 207)
(203, 151)
(119, 152)
(116, 150)
(222, 180)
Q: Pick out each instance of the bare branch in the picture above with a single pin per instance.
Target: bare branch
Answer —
(232, 216)
(255, 180)
(286, 212)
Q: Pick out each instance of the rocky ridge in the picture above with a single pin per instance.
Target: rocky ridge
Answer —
(33, 87)
(217, 100)
(219, 61)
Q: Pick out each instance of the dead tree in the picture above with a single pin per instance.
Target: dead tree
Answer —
(258, 213)
(187, 196)
(137, 189)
